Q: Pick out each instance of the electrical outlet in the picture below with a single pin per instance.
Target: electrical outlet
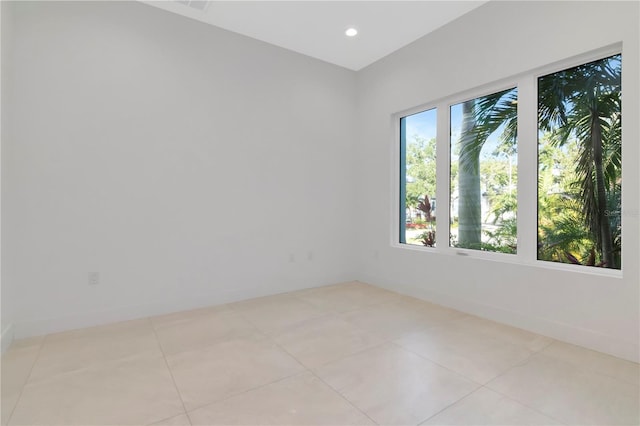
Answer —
(94, 278)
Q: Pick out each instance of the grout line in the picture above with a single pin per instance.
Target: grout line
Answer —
(519, 364)
(327, 384)
(171, 417)
(339, 315)
(583, 368)
(226, 398)
(166, 362)
(344, 397)
(268, 338)
(271, 339)
(26, 380)
(420, 423)
(382, 343)
(438, 364)
(479, 385)
(527, 361)
(358, 352)
(577, 366)
(189, 418)
(545, 346)
(524, 404)
(280, 330)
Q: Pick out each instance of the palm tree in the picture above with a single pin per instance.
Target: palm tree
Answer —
(469, 180)
(582, 103)
(480, 118)
(585, 103)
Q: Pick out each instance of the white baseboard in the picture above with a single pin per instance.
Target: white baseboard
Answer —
(42, 326)
(6, 338)
(557, 330)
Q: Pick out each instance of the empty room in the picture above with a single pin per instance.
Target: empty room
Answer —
(320, 212)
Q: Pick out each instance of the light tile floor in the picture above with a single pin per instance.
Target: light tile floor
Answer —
(348, 354)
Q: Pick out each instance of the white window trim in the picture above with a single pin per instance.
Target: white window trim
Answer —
(527, 214)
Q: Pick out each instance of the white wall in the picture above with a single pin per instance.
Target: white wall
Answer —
(184, 163)
(495, 41)
(6, 291)
(187, 164)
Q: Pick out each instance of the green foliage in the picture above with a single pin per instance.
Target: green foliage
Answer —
(428, 238)
(499, 179)
(503, 238)
(580, 112)
(579, 170)
(561, 229)
(421, 170)
(487, 174)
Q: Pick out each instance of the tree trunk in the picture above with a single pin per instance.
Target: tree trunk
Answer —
(469, 214)
(602, 219)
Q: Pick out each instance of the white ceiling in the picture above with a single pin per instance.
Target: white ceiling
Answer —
(316, 28)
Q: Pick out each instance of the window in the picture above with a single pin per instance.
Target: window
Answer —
(483, 173)
(548, 142)
(418, 178)
(580, 164)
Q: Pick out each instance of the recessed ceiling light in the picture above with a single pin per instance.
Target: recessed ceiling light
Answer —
(351, 32)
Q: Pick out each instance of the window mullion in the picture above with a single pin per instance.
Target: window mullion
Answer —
(527, 169)
(442, 178)
(403, 182)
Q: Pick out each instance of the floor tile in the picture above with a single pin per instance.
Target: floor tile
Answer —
(9, 401)
(195, 329)
(596, 362)
(517, 336)
(181, 316)
(28, 342)
(394, 386)
(402, 316)
(473, 355)
(78, 349)
(570, 394)
(274, 313)
(346, 297)
(137, 390)
(486, 407)
(317, 341)
(181, 420)
(219, 371)
(16, 365)
(300, 400)
(398, 359)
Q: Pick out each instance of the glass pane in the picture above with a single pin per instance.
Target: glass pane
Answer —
(418, 179)
(580, 165)
(484, 173)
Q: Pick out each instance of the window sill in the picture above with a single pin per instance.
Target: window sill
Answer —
(513, 259)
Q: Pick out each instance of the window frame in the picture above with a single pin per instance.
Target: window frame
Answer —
(402, 174)
(527, 166)
(490, 91)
